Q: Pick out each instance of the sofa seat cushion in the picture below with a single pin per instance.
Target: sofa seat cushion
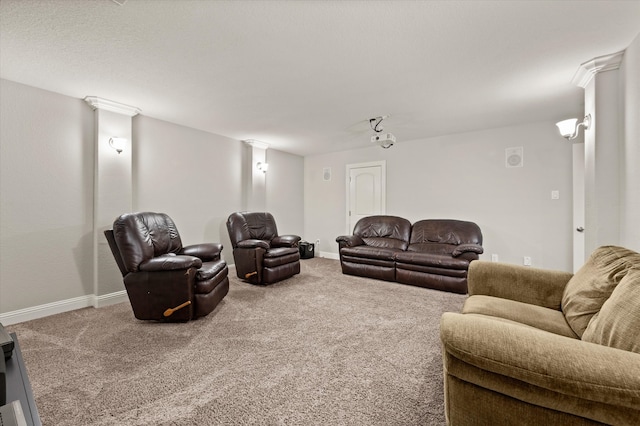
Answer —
(618, 322)
(592, 284)
(441, 261)
(370, 252)
(523, 313)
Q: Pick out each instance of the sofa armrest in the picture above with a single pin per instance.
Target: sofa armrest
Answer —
(559, 364)
(525, 284)
(254, 244)
(349, 241)
(206, 251)
(170, 262)
(467, 248)
(285, 241)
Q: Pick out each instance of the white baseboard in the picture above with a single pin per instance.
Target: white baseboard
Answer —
(329, 255)
(41, 311)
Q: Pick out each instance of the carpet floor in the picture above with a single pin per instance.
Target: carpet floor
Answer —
(318, 348)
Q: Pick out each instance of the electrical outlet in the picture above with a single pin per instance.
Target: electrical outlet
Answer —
(555, 194)
(527, 261)
(494, 257)
(317, 245)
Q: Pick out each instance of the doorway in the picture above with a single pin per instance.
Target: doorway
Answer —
(366, 191)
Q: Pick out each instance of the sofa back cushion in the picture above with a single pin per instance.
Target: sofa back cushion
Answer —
(618, 322)
(591, 286)
(442, 236)
(384, 231)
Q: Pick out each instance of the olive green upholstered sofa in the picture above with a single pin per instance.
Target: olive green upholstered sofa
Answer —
(542, 347)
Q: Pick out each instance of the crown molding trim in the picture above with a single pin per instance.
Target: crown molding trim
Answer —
(589, 69)
(107, 105)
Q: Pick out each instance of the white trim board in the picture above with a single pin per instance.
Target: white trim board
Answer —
(41, 311)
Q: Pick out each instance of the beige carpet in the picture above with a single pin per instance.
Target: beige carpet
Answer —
(320, 348)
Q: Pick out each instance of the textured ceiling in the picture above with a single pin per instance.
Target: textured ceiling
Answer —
(304, 76)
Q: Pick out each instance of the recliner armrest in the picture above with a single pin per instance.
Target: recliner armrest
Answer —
(525, 284)
(285, 241)
(205, 252)
(254, 244)
(539, 359)
(350, 240)
(170, 262)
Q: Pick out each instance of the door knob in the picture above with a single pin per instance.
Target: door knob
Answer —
(580, 229)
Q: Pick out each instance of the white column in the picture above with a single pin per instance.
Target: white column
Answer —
(600, 79)
(255, 187)
(113, 187)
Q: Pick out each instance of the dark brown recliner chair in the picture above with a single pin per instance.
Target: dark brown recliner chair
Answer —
(164, 280)
(261, 255)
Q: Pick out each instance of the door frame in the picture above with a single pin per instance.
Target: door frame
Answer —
(383, 186)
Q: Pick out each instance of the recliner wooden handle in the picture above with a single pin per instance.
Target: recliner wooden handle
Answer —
(250, 274)
(170, 311)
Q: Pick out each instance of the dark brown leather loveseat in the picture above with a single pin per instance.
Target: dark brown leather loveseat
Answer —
(432, 253)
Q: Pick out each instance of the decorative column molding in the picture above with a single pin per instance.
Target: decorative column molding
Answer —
(589, 69)
(257, 144)
(113, 186)
(107, 105)
(255, 191)
(600, 80)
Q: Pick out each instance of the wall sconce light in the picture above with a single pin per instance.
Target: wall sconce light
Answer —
(569, 128)
(263, 167)
(117, 144)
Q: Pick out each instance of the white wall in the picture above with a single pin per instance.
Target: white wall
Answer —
(191, 175)
(285, 191)
(463, 176)
(630, 155)
(46, 197)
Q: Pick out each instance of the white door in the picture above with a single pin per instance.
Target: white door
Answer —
(365, 191)
(578, 206)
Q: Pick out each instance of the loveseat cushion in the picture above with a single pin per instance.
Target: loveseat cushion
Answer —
(618, 322)
(592, 284)
(384, 231)
(535, 316)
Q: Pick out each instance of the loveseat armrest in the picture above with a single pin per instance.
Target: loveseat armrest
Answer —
(349, 241)
(467, 248)
(169, 262)
(285, 241)
(542, 287)
(205, 251)
(254, 244)
(561, 373)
